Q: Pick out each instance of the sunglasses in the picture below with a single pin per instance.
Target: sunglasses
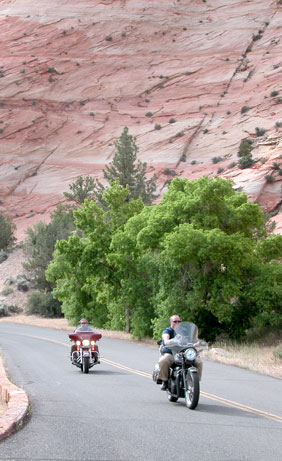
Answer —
(176, 321)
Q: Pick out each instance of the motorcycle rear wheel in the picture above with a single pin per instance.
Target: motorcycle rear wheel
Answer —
(192, 393)
(85, 365)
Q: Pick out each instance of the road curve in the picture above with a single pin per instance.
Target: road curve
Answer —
(116, 412)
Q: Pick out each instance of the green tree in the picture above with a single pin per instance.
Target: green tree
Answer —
(86, 281)
(40, 243)
(7, 228)
(81, 189)
(207, 243)
(126, 169)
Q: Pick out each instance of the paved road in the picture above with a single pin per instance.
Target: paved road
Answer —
(117, 412)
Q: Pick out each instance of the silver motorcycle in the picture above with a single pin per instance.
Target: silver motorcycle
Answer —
(185, 372)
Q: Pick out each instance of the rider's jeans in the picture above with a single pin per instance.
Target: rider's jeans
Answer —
(166, 360)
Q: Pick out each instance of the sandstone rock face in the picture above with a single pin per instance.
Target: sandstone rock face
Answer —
(73, 74)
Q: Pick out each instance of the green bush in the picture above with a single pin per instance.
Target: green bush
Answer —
(245, 109)
(269, 178)
(216, 159)
(43, 304)
(245, 147)
(245, 162)
(3, 256)
(6, 291)
(7, 229)
(260, 131)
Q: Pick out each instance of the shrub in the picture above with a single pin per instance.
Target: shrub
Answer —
(220, 170)
(109, 38)
(172, 120)
(149, 114)
(193, 162)
(170, 172)
(52, 70)
(245, 162)
(6, 291)
(260, 131)
(3, 256)
(269, 178)
(43, 304)
(158, 127)
(216, 159)
(7, 229)
(232, 165)
(245, 109)
(276, 166)
(179, 134)
(278, 124)
(257, 36)
(245, 147)
(274, 93)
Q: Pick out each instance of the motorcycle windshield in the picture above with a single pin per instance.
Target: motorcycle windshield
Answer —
(84, 328)
(185, 333)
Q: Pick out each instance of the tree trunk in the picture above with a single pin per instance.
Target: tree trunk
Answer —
(127, 317)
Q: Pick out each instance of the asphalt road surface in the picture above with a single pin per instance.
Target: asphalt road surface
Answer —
(116, 412)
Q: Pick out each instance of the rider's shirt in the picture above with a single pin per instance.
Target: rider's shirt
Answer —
(168, 331)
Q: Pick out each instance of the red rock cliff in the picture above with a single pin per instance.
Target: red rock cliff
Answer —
(74, 73)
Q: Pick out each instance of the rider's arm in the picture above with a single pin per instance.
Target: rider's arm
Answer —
(165, 338)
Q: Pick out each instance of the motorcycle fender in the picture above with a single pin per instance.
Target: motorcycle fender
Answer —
(86, 354)
(193, 370)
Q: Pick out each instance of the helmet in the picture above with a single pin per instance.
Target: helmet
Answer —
(83, 321)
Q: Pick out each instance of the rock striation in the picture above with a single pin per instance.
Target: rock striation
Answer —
(190, 78)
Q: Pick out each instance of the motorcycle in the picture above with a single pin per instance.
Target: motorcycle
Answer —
(183, 379)
(84, 352)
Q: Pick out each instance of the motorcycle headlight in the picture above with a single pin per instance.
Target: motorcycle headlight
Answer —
(93, 343)
(85, 342)
(78, 343)
(190, 354)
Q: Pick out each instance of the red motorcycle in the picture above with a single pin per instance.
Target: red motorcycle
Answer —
(84, 352)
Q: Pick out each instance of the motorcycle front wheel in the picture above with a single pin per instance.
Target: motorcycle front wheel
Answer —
(85, 365)
(192, 393)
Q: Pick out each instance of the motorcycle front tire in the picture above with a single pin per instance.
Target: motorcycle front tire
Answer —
(85, 365)
(192, 393)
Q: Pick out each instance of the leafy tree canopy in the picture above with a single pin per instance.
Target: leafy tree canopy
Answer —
(203, 252)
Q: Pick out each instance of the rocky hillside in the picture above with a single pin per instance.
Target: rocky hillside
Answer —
(190, 78)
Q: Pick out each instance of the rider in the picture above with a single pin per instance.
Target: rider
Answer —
(166, 359)
(83, 326)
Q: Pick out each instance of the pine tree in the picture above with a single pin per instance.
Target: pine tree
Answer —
(129, 171)
(81, 189)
